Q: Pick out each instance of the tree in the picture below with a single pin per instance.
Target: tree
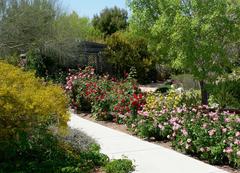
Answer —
(196, 36)
(111, 20)
(75, 27)
(69, 31)
(41, 29)
(25, 24)
(125, 51)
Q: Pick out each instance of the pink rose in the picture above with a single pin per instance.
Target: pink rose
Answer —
(161, 127)
(173, 120)
(227, 120)
(184, 131)
(228, 150)
(194, 110)
(237, 142)
(237, 120)
(204, 126)
(215, 118)
(224, 130)
(211, 132)
(176, 126)
(238, 153)
(205, 106)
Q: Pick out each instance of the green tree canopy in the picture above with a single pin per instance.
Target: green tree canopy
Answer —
(76, 27)
(111, 20)
(197, 36)
(125, 51)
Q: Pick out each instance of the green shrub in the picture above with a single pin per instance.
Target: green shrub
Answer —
(119, 166)
(145, 128)
(49, 153)
(226, 91)
(191, 98)
(125, 51)
(163, 88)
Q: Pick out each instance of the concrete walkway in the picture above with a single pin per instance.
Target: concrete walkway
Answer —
(150, 87)
(148, 157)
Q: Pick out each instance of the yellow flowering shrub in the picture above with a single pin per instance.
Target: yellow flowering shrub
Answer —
(153, 101)
(27, 102)
(172, 99)
(160, 101)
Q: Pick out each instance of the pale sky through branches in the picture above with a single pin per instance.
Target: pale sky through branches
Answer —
(88, 8)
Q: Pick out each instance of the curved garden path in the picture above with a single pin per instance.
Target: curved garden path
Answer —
(148, 157)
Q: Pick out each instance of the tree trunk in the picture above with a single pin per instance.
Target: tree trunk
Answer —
(204, 93)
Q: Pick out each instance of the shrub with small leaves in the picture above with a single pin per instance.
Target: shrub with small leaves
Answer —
(119, 166)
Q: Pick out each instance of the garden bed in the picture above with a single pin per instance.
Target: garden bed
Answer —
(175, 116)
(123, 128)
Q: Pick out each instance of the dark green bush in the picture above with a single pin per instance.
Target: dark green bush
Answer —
(51, 153)
(125, 51)
(226, 91)
(163, 88)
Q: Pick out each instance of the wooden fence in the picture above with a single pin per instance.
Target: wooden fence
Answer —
(92, 54)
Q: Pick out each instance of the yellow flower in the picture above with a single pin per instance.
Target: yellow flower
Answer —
(27, 101)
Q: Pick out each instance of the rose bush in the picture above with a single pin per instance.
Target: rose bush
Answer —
(176, 116)
(209, 135)
(193, 129)
(106, 97)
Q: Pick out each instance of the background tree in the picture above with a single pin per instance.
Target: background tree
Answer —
(125, 51)
(41, 29)
(199, 37)
(25, 24)
(69, 31)
(111, 20)
(75, 27)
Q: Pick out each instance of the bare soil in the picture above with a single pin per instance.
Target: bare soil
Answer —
(99, 170)
(123, 128)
